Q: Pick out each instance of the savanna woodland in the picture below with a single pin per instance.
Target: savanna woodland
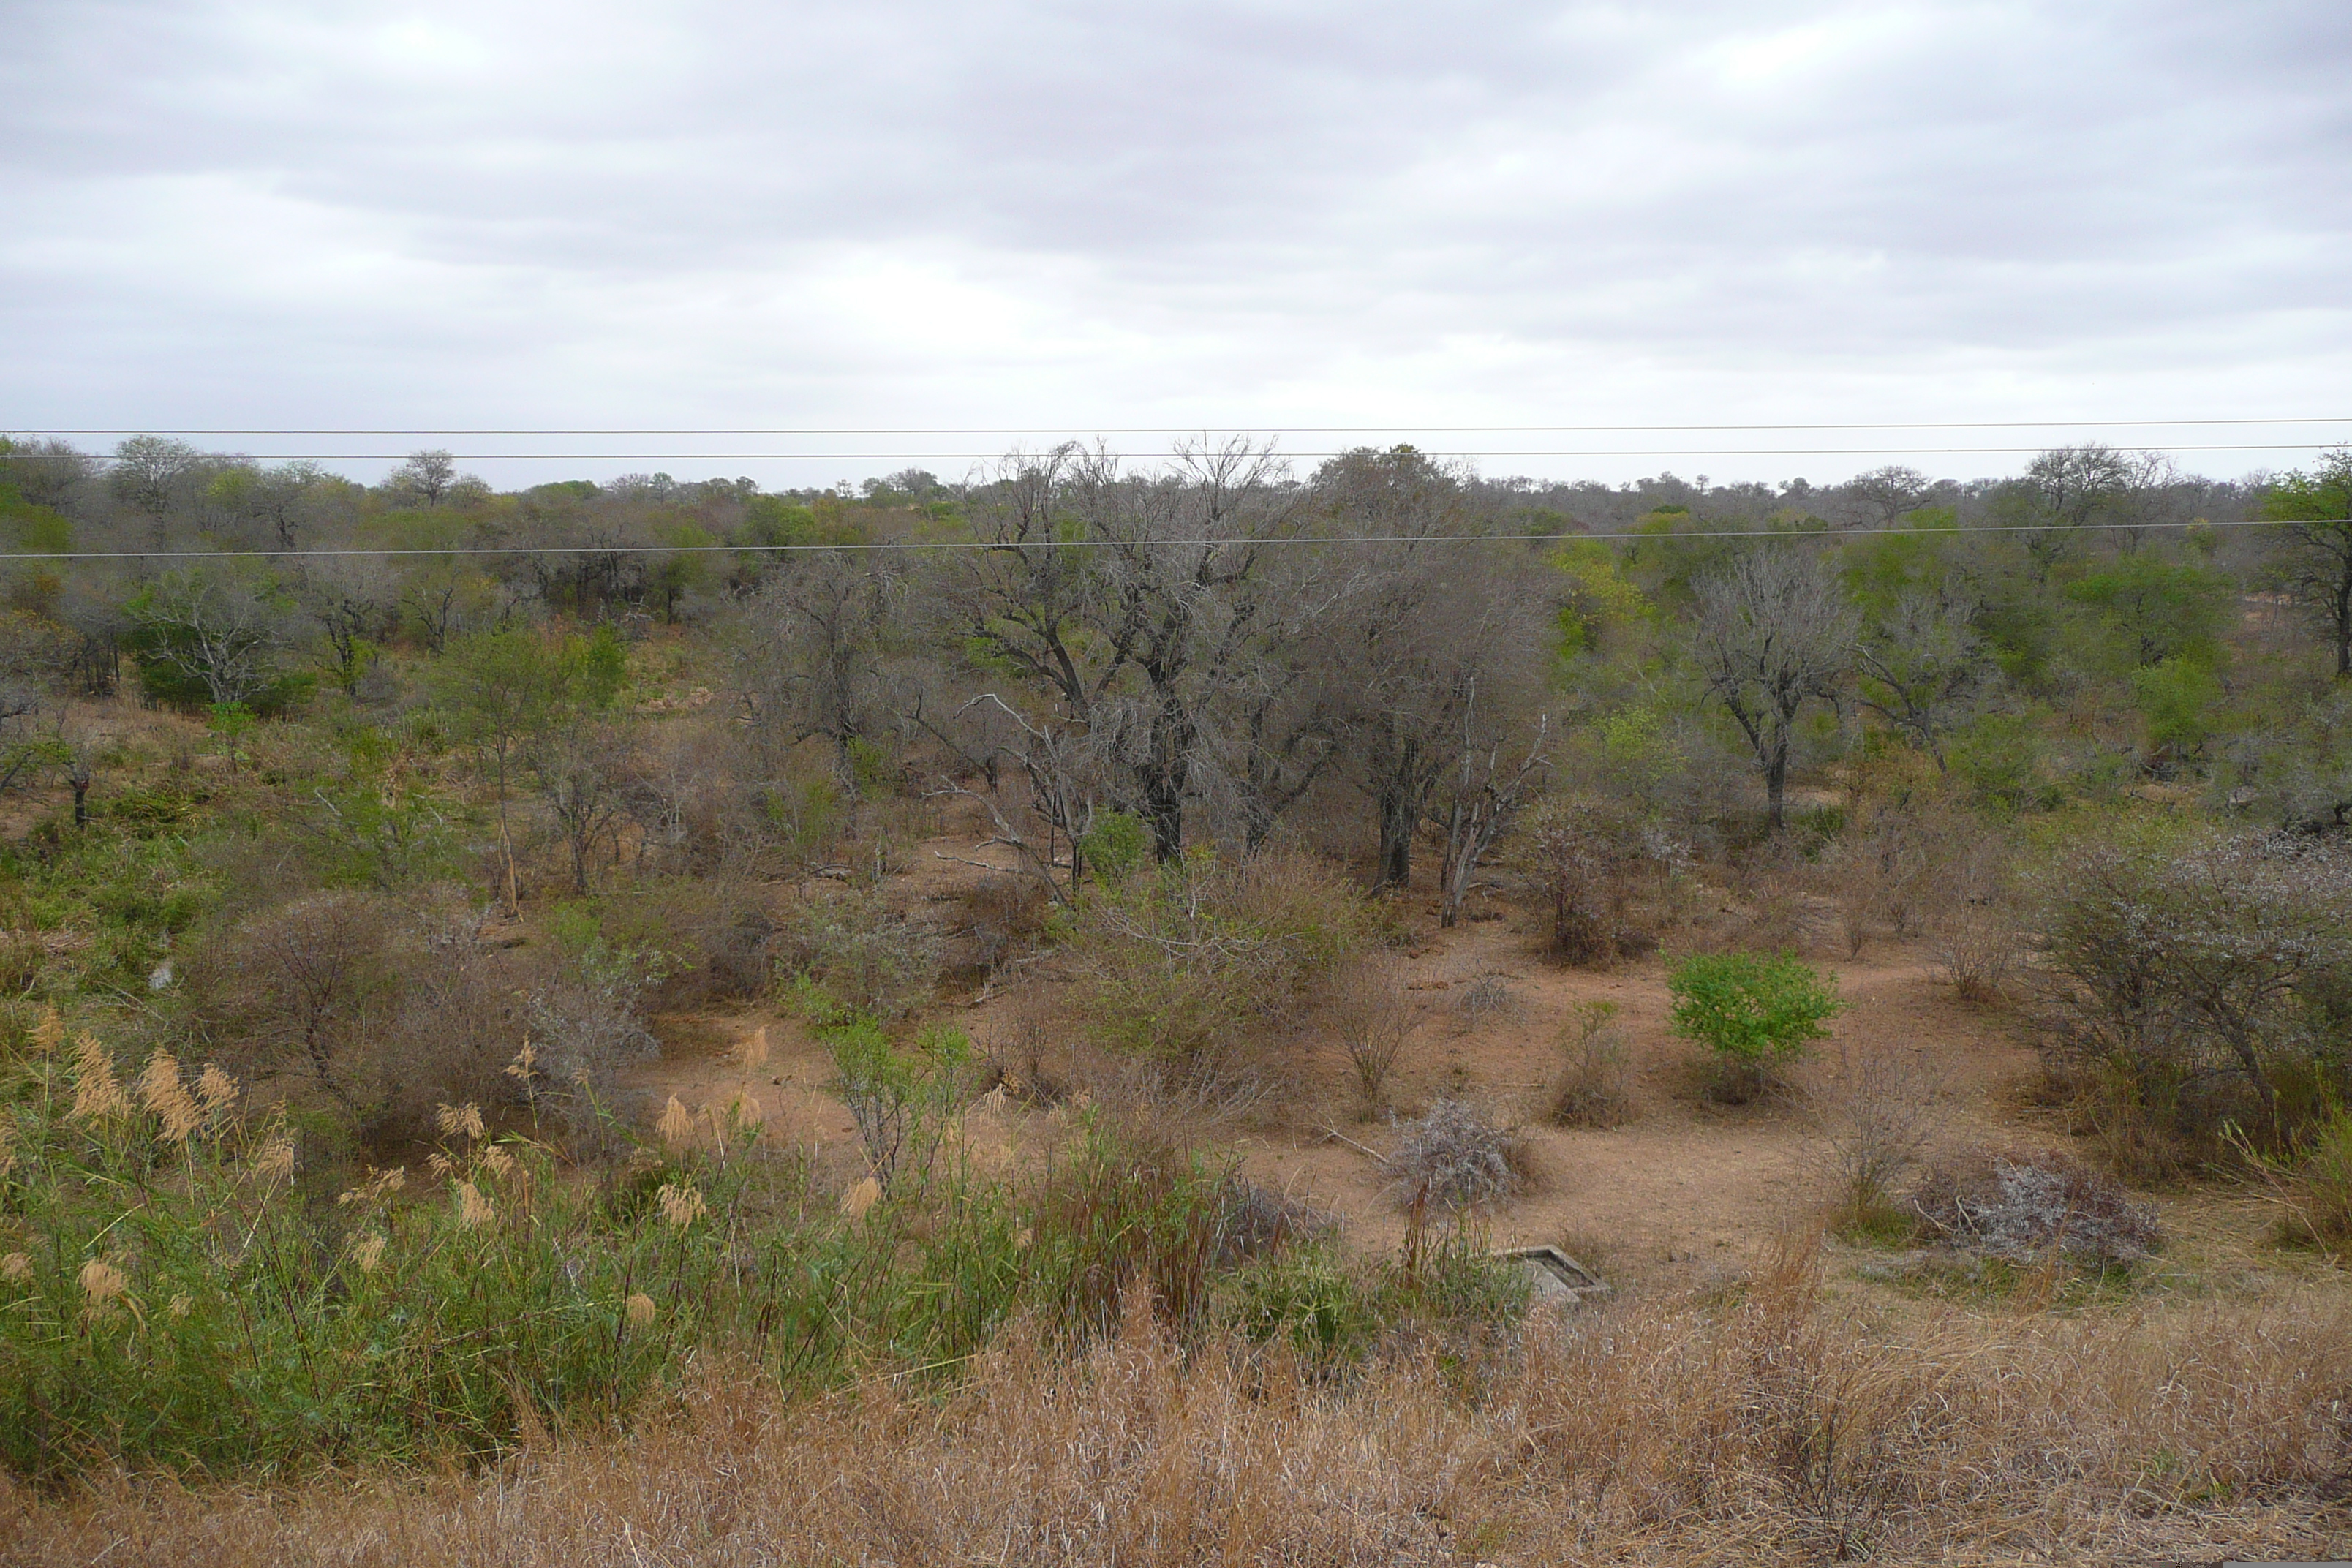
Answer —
(1028, 1020)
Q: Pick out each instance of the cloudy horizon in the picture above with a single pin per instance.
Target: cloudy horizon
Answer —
(1278, 217)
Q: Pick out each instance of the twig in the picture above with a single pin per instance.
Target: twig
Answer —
(1331, 1132)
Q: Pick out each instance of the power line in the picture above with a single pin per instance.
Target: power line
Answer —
(914, 545)
(993, 457)
(1293, 429)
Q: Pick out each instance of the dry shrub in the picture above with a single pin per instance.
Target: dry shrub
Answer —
(861, 952)
(1019, 1049)
(1591, 1088)
(301, 986)
(1599, 863)
(1199, 961)
(1879, 1112)
(2028, 1208)
(1374, 1016)
(1973, 918)
(1456, 1157)
(1777, 1428)
(712, 936)
(1000, 915)
(1484, 995)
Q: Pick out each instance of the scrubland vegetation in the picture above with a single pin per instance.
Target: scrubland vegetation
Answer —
(667, 1038)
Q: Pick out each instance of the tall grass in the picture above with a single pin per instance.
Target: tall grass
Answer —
(1775, 1427)
(175, 1292)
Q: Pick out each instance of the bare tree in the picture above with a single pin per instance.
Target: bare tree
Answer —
(427, 476)
(1428, 622)
(1885, 494)
(814, 664)
(1923, 668)
(1771, 634)
(584, 767)
(222, 632)
(1136, 603)
(46, 473)
(1487, 797)
(151, 473)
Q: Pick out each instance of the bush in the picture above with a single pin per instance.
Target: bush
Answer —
(1877, 1115)
(1758, 1014)
(2192, 986)
(2033, 1207)
(1599, 862)
(1590, 1089)
(1198, 961)
(1456, 1158)
(1374, 1016)
(861, 952)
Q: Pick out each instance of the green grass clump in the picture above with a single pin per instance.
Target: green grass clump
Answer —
(178, 1292)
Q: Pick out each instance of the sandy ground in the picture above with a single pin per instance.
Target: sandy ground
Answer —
(1686, 1190)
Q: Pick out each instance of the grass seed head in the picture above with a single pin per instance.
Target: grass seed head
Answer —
(860, 1198)
(215, 1090)
(459, 1120)
(162, 1093)
(640, 1308)
(677, 1124)
(681, 1205)
(473, 1209)
(182, 1305)
(754, 1052)
(16, 1267)
(102, 1286)
(276, 1161)
(49, 1033)
(368, 1252)
(97, 1094)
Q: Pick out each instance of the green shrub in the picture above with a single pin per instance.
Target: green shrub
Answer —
(1756, 1012)
(1115, 846)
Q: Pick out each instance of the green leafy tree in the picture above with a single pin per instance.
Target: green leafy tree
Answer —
(2148, 609)
(507, 690)
(2312, 550)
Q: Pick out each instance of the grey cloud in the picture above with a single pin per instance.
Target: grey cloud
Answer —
(1253, 213)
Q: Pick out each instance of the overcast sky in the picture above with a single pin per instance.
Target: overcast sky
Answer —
(1271, 216)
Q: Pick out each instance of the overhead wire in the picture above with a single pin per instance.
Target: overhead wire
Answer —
(1798, 535)
(1293, 429)
(993, 457)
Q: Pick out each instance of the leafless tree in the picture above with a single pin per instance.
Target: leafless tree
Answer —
(152, 473)
(584, 767)
(1923, 668)
(46, 473)
(1770, 634)
(1135, 602)
(1485, 797)
(815, 662)
(1883, 495)
(426, 475)
(223, 632)
(1431, 626)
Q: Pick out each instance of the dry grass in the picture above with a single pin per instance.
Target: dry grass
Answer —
(1779, 1430)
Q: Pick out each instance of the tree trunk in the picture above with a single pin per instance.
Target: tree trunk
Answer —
(82, 802)
(1400, 814)
(1776, 783)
